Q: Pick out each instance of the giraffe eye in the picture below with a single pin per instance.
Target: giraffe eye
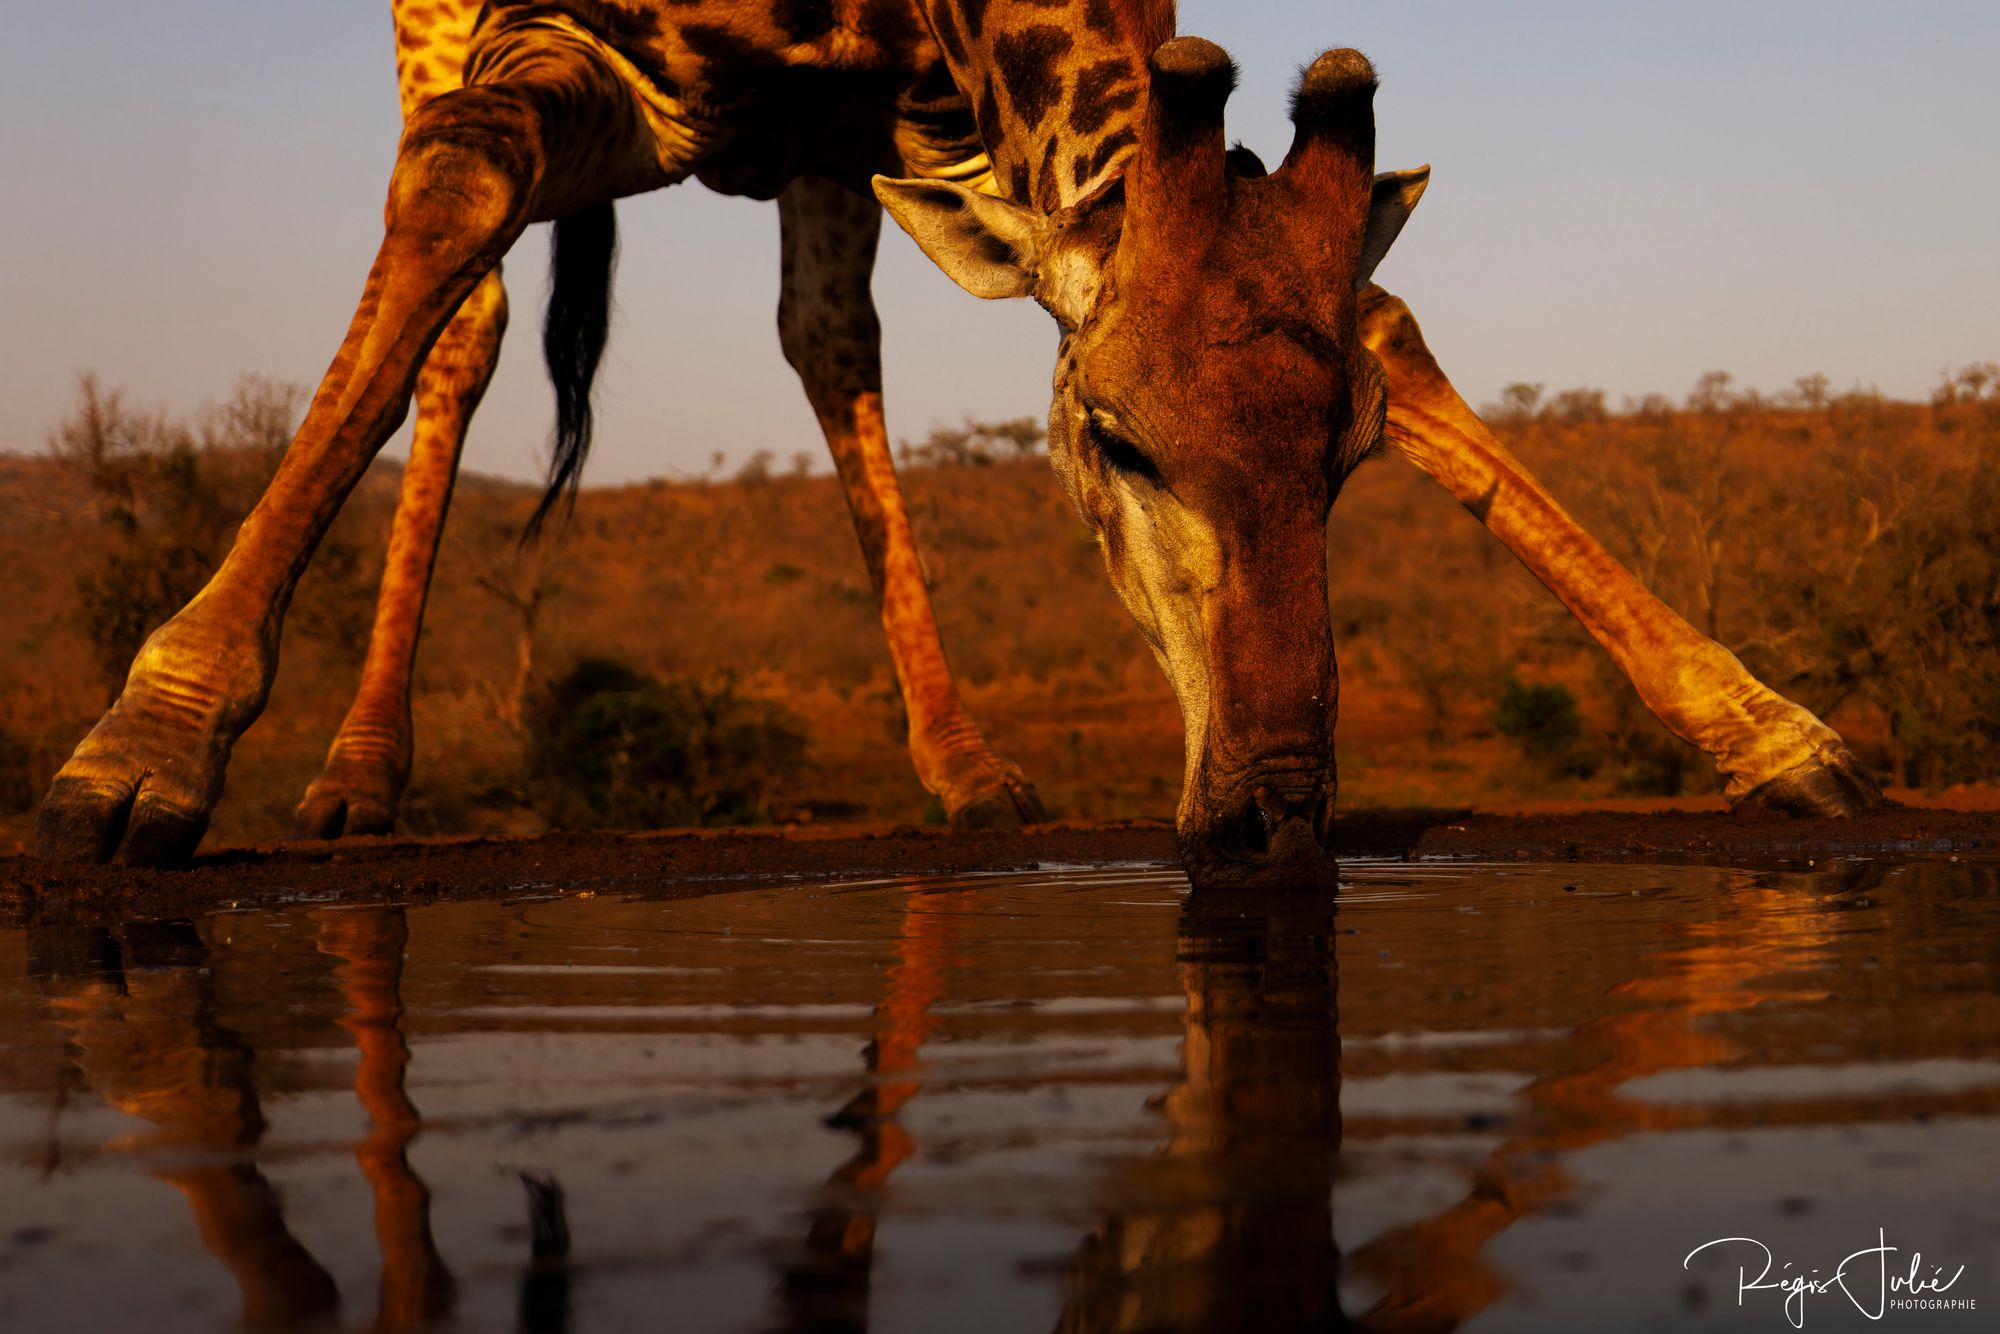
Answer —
(1119, 452)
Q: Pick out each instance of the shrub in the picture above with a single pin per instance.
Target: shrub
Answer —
(167, 497)
(615, 748)
(975, 444)
(1541, 716)
(1542, 719)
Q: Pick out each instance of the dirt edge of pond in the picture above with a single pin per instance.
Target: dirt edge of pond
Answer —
(416, 871)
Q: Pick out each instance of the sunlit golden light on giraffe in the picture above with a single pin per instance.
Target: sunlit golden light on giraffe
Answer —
(1212, 391)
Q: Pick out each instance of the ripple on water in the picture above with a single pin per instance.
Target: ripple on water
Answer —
(1496, 1097)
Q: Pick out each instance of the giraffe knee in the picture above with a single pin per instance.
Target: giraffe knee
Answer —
(467, 170)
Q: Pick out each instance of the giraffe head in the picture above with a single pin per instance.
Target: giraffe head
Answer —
(1211, 395)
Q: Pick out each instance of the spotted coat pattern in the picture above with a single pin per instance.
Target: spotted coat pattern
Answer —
(799, 100)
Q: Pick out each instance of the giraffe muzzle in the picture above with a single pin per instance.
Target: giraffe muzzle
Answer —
(1269, 830)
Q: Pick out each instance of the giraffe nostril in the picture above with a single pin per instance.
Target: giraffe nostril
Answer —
(1256, 829)
(1244, 836)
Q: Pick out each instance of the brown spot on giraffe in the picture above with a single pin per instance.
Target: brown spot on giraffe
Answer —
(1020, 181)
(974, 14)
(1027, 64)
(1100, 91)
(1107, 152)
(802, 20)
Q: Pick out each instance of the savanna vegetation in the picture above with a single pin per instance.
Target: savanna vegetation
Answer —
(707, 651)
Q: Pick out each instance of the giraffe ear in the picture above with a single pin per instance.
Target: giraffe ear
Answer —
(1390, 204)
(985, 244)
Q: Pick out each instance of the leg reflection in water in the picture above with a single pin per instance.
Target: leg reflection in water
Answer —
(139, 1006)
(1749, 947)
(1231, 1227)
(827, 1288)
(417, 1288)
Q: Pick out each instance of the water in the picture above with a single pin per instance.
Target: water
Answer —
(1493, 1098)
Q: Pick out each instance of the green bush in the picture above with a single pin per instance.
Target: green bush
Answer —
(1541, 717)
(614, 748)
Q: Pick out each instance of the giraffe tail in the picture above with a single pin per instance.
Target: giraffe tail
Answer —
(583, 249)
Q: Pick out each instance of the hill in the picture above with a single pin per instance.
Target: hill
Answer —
(1845, 547)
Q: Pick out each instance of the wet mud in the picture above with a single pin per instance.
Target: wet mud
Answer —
(418, 872)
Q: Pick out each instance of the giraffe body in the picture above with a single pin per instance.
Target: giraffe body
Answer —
(1212, 390)
(752, 118)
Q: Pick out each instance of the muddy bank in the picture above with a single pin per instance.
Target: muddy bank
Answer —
(420, 871)
(693, 863)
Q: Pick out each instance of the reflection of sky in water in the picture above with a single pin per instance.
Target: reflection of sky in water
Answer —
(1069, 1099)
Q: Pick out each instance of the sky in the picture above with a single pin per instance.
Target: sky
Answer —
(1623, 196)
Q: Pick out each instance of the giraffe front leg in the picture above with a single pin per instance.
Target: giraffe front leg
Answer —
(368, 765)
(1773, 752)
(140, 787)
(827, 324)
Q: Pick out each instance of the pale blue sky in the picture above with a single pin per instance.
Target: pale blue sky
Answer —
(1624, 196)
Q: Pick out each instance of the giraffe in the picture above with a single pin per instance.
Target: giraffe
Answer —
(827, 240)
(1212, 388)
(1211, 498)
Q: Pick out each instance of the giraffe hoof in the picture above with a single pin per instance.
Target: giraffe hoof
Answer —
(1831, 785)
(89, 820)
(137, 791)
(329, 810)
(80, 821)
(1009, 804)
(140, 787)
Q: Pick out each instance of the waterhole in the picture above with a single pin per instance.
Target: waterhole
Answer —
(1458, 1096)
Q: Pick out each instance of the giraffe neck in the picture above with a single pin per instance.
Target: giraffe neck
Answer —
(1057, 86)
(431, 39)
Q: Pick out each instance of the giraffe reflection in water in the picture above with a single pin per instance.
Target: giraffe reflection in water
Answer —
(1224, 1215)
(1429, 1276)
(827, 1288)
(139, 1006)
(1233, 1220)
(1231, 1225)
(417, 1288)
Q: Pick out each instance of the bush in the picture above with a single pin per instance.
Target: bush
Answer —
(618, 749)
(167, 497)
(1542, 719)
(975, 444)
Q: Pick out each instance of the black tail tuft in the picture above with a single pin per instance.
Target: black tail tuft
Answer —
(583, 250)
